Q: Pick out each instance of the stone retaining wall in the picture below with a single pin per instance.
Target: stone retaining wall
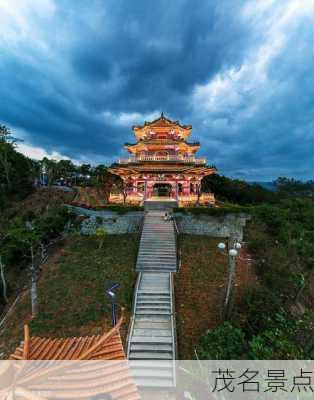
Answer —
(230, 225)
(112, 222)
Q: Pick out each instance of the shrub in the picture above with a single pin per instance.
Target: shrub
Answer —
(99, 220)
(274, 345)
(226, 342)
(261, 306)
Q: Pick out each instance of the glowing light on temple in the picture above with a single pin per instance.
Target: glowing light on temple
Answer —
(162, 164)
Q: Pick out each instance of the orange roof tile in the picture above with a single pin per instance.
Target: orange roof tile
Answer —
(55, 380)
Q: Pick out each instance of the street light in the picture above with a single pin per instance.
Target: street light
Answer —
(110, 292)
(233, 252)
(232, 247)
(221, 246)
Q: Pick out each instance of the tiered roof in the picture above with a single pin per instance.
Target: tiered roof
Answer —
(162, 124)
(53, 380)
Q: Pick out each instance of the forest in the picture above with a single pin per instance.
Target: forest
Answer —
(273, 320)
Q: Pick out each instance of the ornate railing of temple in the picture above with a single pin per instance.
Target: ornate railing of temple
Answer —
(186, 160)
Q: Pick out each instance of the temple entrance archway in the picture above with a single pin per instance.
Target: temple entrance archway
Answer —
(162, 189)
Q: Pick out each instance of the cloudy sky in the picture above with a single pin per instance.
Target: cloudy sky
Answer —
(75, 75)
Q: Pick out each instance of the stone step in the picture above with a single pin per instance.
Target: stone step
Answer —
(155, 290)
(154, 383)
(150, 302)
(155, 276)
(152, 372)
(158, 233)
(157, 236)
(152, 325)
(153, 318)
(151, 364)
(156, 282)
(156, 262)
(160, 280)
(154, 269)
(153, 299)
(159, 258)
(157, 252)
(155, 239)
(146, 292)
(149, 284)
(149, 299)
(154, 233)
(154, 306)
(163, 348)
(161, 232)
(158, 245)
(153, 312)
(134, 355)
(152, 309)
(153, 302)
(156, 266)
(151, 334)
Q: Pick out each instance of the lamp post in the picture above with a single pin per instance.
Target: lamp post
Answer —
(110, 292)
(232, 248)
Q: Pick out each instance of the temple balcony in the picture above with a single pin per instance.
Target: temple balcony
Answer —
(169, 158)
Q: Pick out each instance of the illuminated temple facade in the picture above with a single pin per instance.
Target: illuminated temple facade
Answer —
(162, 165)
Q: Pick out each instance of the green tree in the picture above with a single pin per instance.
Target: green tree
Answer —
(16, 170)
(30, 239)
(237, 191)
(101, 236)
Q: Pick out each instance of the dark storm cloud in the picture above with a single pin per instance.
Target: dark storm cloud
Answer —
(76, 75)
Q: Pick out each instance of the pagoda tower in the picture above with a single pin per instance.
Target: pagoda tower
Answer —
(162, 164)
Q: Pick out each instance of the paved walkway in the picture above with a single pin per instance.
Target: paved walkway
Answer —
(152, 343)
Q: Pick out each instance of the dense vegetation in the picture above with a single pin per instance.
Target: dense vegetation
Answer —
(16, 171)
(243, 193)
(237, 191)
(71, 290)
(275, 319)
(26, 232)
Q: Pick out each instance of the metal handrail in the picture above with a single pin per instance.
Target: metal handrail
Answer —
(131, 325)
(173, 329)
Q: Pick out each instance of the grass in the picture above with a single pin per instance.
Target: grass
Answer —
(72, 301)
(199, 290)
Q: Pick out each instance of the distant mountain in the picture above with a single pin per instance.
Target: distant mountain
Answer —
(267, 185)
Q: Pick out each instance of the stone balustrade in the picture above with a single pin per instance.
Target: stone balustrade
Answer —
(186, 160)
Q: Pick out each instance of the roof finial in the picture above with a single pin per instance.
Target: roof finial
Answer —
(162, 115)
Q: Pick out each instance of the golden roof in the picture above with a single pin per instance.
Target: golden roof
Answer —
(162, 124)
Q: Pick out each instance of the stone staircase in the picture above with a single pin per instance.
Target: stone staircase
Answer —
(157, 250)
(160, 205)
(152, 342)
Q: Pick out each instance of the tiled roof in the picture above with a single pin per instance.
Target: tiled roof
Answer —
(75, 380)
(88, 347)
(162, 121)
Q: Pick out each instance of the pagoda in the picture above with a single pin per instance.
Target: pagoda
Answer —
(163, 165)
